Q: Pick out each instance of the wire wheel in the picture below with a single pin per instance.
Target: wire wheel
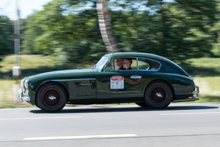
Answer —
(52, 97)
(158, 94)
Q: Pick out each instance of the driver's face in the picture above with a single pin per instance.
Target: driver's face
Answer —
(119, 62)
(126, 64)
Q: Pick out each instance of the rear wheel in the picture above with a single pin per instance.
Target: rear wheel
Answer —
(51, 97)
(158, 95)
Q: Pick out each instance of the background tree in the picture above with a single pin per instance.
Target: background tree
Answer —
(69, 29)
(6, 37)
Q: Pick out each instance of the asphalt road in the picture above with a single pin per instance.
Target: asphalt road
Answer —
(180, 125)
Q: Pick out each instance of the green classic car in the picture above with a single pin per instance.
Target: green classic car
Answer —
(148, 80)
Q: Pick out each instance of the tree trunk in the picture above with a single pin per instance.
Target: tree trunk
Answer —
(104, 20)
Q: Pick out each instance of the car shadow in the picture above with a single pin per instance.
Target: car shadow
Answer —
(105, 109)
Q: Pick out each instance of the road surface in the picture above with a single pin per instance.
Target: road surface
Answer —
(180, 125)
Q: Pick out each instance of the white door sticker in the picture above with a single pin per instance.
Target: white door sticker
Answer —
(117, 82)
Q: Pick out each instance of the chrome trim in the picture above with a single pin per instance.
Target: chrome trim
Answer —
(86, 79)
(147, 70)
(85, 84)
(22, 97)
(135, 77)
(159, 95)
(26, 86)
(52, 97)
(197, 91)
(185, 100)
(137, 63)
(22, 82)
(113, 63)
(191, 78)
(104, 65)
(196, 86)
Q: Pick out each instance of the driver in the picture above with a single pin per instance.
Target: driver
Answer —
(119, 63)
(126, 64)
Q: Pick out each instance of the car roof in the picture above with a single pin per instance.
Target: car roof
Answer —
(150, 56)
(136, 54)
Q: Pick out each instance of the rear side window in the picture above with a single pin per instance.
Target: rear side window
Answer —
(146, 64)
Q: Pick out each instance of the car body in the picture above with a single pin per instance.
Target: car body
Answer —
(153, 81)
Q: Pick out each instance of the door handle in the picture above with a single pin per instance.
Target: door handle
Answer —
(85, 84)
(135, 77)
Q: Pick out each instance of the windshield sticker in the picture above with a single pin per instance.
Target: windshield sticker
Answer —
(117, 82)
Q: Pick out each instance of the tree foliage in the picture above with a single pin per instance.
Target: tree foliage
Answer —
(6, 39)
(69, 30)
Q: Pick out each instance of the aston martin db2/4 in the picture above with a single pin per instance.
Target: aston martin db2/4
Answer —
(151, 81)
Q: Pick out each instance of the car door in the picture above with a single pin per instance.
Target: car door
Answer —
(119, 85)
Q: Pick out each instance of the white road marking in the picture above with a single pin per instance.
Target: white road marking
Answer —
(191, 113)
(34, 118)
(81, 137)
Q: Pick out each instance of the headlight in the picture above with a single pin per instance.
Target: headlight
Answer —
(22, 83)
(26, 84)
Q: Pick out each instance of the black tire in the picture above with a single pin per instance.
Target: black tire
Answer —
(158, 95)
(51, 97)
(142, 104)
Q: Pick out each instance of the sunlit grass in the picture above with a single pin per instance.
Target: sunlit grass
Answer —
(8, 99)
(208, 86)
(27, 62)
(205, 62)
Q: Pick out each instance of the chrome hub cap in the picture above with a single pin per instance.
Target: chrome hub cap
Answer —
(159, 95)
(52, 97)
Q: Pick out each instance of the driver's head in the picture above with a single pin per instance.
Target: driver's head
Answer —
(119, 62)
(127, 63)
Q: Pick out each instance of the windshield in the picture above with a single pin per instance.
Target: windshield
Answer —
(101, 63)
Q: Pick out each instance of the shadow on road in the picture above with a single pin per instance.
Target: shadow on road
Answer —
(103, 109)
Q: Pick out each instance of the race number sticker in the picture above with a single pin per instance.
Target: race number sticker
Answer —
(117, 82)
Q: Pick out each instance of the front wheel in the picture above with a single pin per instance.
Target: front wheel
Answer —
(51, 97)
(158, 95)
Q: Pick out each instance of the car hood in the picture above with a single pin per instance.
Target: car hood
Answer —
(63, 74)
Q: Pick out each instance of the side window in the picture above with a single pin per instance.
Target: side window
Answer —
(128, 64)
(110, 65)
(143, 65)
(122, 64)
(134, 64)
(146, 64)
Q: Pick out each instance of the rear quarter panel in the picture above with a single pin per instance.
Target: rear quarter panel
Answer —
(182, 85)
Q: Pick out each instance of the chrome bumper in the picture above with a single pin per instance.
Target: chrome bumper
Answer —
(197, 91)
(22, 97)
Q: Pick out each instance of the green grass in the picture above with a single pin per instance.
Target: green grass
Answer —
(206, 73)
(209, 88)
(209, 99)
(202, 66)
(7, 97)
(30, 65)
(205, 62)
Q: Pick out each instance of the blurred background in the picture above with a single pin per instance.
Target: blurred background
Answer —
(66, 34)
